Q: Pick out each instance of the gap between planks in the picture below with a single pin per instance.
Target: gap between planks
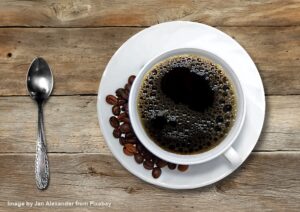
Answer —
(142, 26)
(98, 153)
(96, 94)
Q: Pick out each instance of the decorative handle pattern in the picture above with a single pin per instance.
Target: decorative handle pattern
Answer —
(41, 160)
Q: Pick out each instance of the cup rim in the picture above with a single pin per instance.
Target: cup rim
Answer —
(224, 145)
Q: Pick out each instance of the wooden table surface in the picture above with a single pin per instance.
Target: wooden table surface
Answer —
(78, 38)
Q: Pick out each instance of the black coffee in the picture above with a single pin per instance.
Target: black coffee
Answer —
(187, 104)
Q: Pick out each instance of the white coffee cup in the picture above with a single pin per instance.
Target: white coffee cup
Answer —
(224, 148)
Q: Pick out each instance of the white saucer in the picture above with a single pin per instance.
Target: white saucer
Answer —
(143, 46)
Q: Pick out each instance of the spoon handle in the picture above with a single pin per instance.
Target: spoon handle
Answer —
(41, 160)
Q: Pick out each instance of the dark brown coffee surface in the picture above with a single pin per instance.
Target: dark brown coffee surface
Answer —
(187, 104)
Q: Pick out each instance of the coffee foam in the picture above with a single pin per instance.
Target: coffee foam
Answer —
(175, 126)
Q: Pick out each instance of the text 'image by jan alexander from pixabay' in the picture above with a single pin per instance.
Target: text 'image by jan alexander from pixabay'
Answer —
(77, 203)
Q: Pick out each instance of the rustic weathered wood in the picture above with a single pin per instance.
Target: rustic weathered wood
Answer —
(271, 50)
(79, 56)
(78, 38)
(72, 125)
(85, 13)
(267, 181)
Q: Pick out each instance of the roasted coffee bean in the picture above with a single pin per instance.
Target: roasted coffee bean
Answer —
(138, 158)
(127, 152)
(112, 100)
(126, 109)
(116, 110)
(117, 133)
(172, 166)
(147, 155)
(125, 128)
(140, 148)
(126, 96)
(128, 87)
(148, 164)
(122, 141)
(127, 92)
(123, 108)
(182, 168)
(118, 92)
(154, 159)
(130, 148)
(125, 120)
(122, 116)
(131, 140)
(161, 163)
(121, 102)
(114, 122)
(156, 172)
(121, 92)
(129, 135)
(131, 79)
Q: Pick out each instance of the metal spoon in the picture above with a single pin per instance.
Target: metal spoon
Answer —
(40, 85)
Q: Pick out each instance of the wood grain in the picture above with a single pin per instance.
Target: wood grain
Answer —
(85, 13)
(78, 38)
(267, 181)
(72, 125)
(79, 56)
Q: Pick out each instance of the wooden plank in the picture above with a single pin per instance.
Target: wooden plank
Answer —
(274, 55)
(72, 125)
(267, 181)
(281, 129)
(87, 13)
(79, 56)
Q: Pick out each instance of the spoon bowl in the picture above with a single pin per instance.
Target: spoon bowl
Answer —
(39, 80)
